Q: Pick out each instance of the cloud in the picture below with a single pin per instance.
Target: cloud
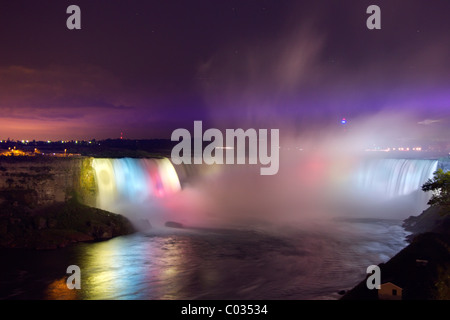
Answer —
(55, 102)
(427, 122)
(253, 84)
(304, 77)
(58, 88)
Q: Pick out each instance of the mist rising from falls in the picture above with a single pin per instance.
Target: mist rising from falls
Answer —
(313, 186)
(307, 187)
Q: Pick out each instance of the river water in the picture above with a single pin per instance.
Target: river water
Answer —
(282, 262)
(301, 247)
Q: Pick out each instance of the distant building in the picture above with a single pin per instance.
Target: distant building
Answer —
(390, 291)
(19, 153)
(14, 153)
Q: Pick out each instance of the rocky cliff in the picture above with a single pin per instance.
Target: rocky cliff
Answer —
(42, 181)
(46, 203)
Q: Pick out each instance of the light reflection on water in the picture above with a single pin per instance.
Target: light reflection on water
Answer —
(292, 264)
(57, 290)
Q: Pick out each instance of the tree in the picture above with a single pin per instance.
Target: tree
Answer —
(440, 186)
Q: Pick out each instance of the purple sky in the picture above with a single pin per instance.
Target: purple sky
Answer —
(146, 68)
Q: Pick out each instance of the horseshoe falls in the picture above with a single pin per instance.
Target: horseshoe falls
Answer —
(150, 188)
(298, 261)
(391, 178)
(394, 185)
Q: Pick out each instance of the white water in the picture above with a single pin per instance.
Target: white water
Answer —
(373, 188)
(394, 186)
(391, 178)
(134, 187)
(292, 261)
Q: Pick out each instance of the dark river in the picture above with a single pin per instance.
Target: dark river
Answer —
(314, 262)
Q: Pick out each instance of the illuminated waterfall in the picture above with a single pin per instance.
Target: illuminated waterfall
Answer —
(148, 189)
(391, 178)
(126, 183)
(392, 188)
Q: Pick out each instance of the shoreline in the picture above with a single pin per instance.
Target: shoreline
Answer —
(58, 225)
(422, 268)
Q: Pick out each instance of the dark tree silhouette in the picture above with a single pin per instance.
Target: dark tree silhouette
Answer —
(440, 186)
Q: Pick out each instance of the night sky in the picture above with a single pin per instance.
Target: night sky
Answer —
(145, 68)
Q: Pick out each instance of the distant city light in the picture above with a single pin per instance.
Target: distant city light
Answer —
(375, 148)
(344, 121)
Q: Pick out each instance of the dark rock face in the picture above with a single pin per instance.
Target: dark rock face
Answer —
(422, 268)
(58, 226)
(418, 281)
(172, 224)
(36, 181)
(52, 223)
(41, 223)
(41, 204)
(430, 220)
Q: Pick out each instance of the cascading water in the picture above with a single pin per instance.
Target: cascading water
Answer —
(297, 261)
(394, 184)
(390, 178)
(133, 187)
(148, 188)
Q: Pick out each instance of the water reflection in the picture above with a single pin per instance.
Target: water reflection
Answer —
(58, 290)
(116, 269)
(294, 264)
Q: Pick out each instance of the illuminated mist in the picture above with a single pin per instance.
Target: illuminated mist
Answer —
(287, 84)
(315, 183)
(317, 180)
